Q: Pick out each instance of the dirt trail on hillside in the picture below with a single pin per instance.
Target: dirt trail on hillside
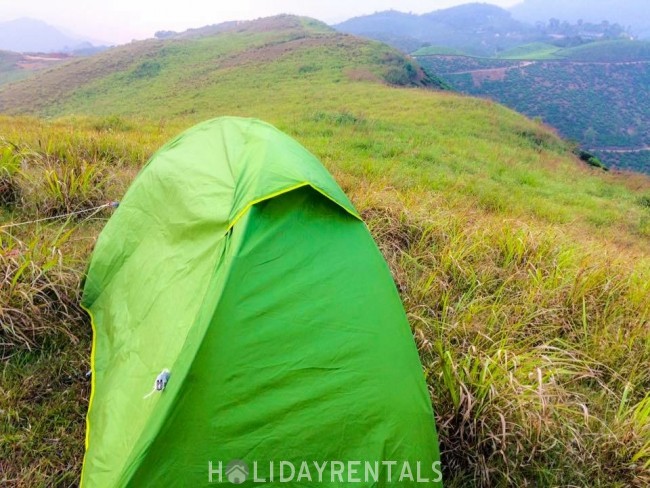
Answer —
(490, 74)
(479, 76)
(622, 150)
(602, 63)
(524, 64)
(490, 70)
(40, 61)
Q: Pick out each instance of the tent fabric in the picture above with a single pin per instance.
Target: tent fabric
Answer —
(237, 263)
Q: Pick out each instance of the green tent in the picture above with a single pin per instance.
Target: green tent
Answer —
(238, 278)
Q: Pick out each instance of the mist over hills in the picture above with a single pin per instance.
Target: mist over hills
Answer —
(628, 13)
(474, 27)
(32, 35)
(477, 29)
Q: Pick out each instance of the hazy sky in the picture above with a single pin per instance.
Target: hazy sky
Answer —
(122, 20)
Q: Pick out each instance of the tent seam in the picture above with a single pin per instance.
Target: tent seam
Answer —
(126, 481)
(92, 388)
(250, 204)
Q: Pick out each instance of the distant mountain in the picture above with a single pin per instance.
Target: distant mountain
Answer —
(476, 28)
(31, 35)
(632, 13)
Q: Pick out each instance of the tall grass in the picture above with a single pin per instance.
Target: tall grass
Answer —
(533, 339)
(68, 188)
(39, 292)
(533, 330)
(9, 167)
(535, 349)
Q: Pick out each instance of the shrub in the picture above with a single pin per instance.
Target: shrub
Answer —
(397, 77)
(339, 118)
(147, 69)
(644, 201)
(38, 292)
(308, 68)
(540, 138)
(590, 159)
(61, 181)
(9, 168)
(59, 189)
(112, 123)
(525, 348)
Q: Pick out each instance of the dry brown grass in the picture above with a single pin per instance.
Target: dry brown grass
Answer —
(533, 336)
(534, 348)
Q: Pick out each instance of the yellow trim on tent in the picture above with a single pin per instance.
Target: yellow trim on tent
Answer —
(248, 206)
(92, 390)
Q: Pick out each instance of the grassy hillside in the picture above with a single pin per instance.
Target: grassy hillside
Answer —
(525, 273)
(16, 66)
(533, 50)
(174, 76)
(590, 93)
(438, 51)
(613, 51)
(9, 69)
(620, 51)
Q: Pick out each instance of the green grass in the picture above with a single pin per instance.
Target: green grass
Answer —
(532, 51)
(9, 69)
(616, 51)
(16, 66)
(608, 51)
(438, 51)
(177, 77)
(525, 273)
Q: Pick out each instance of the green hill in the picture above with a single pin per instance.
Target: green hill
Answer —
(590, 93)
(9, 70)
(610, 51)
(16, 66)
(524, 271)
(533, 50)
(619, 51)
(191, 73)
(439, 51)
